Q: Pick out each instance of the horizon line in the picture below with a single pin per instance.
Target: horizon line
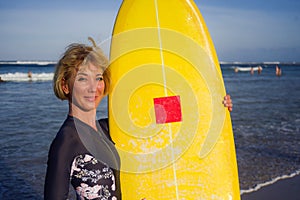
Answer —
(48, 62)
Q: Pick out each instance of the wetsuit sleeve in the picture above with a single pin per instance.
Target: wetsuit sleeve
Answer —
(59, 166)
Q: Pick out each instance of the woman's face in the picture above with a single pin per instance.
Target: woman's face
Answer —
(87, 88)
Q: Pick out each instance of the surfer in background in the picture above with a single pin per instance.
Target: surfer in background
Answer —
(251, 71)
(278, 71)
(82, 152)
(236, 70)
(259, 69)
(29, 74)
(1, 80)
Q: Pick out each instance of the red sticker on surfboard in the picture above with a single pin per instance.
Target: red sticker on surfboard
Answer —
(167, 109)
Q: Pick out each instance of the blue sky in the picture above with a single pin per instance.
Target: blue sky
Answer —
(257, 30)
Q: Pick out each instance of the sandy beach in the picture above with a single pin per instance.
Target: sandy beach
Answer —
(284, 189)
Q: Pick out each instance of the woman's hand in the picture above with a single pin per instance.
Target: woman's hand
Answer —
(227, 102)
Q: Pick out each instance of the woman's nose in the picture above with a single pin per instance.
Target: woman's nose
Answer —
(93, 84)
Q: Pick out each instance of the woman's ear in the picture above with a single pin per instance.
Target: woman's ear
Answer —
(65, 87)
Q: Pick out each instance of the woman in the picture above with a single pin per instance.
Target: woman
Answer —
(82, 152)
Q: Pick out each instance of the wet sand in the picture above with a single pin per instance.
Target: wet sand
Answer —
(281, 190)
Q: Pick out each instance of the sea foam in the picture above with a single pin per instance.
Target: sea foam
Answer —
(19, 77)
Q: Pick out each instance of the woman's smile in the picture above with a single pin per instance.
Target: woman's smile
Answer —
(91, 98)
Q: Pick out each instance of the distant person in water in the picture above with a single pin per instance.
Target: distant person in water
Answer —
(1, 80)
(252, 71)
(278, 71)
(259, 69)
(29, 75)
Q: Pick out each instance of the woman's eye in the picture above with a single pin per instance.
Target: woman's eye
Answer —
(99, 78)
(82, 79)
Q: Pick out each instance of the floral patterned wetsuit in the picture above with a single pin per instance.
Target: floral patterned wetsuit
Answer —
(86, 158)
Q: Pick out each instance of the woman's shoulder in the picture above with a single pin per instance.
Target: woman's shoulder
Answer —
(68, 126)
(67, 132)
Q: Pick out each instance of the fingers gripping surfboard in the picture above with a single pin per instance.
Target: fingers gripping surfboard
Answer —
(166, 115)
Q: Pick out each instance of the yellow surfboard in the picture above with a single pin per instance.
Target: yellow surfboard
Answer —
(166, 116)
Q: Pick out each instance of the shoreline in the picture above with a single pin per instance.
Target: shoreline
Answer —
(287, 188)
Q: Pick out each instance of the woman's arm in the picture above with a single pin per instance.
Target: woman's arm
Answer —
(58, 170)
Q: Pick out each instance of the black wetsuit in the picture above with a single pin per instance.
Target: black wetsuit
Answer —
(86, 158)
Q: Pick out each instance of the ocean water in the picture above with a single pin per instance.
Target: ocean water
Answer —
(265, 118)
